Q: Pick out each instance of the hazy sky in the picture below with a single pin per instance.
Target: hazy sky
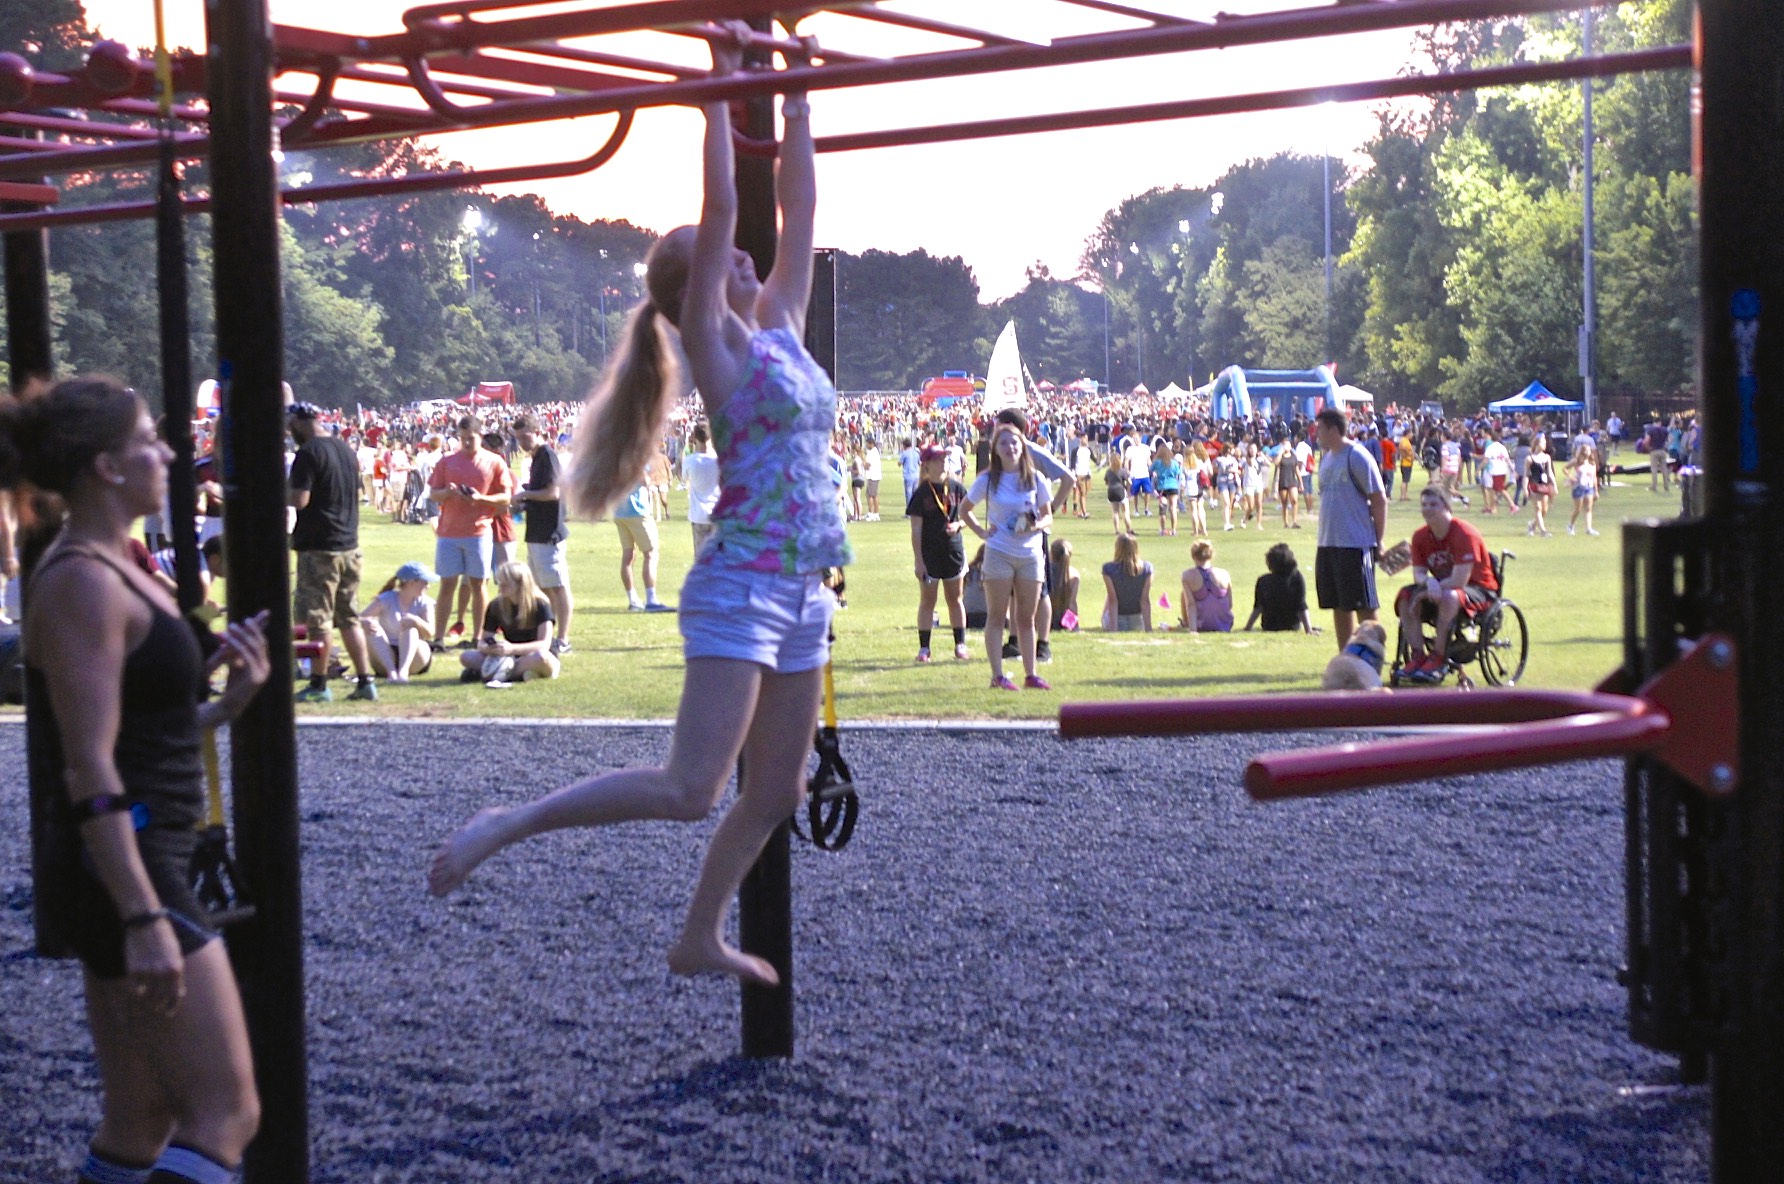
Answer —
(1001, 204)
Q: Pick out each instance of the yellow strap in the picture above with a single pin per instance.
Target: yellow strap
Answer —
(829, 697)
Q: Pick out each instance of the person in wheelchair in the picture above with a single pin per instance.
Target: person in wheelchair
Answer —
(1452, 577)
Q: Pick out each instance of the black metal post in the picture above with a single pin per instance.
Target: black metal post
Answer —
(29, 350)
(1740, 169)
(268, 950)
(176, 380)
(30, 356)
(765, 898)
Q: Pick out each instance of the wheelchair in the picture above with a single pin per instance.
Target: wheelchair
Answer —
(1495, 640)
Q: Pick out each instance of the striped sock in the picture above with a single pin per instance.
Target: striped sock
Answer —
(100, 1169)
(183, 1165)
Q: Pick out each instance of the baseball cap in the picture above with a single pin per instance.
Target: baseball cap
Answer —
(933, 453)
(414, 571)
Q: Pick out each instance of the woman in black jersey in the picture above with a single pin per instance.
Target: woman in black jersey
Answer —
(115, 678)
(939, 551)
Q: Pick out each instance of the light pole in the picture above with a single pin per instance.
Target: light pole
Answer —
(472, 222)
(1589, 301)
(1325, 160)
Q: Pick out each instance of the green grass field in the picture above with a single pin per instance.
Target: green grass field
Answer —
(628, 665)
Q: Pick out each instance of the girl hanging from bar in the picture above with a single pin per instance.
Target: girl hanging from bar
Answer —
(755, 614)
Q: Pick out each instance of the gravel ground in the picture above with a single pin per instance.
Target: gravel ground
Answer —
(1037, 961)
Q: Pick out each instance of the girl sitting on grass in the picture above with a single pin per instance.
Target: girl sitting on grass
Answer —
(399, 624)
(515, 645)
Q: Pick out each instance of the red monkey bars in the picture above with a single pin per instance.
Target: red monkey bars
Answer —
(438, 75)
(1687, 716)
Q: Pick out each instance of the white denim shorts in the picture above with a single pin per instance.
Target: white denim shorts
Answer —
(775, 620)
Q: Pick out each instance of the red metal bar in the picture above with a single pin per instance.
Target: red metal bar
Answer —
(1686, 716)
(1665, 58)
(925, 25)
(77, 127)
(1347, 709)
(1638, 727)
(23, 191)
(1157, 18)
(347, 190)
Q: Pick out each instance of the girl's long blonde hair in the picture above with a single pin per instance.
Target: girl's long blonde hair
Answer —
(1127, 553)
(521, 577)
(623, 418)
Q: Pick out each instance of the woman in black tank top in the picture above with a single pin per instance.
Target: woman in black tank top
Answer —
(115, 678)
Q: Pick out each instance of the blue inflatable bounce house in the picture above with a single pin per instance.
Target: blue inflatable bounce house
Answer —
(1237, 393)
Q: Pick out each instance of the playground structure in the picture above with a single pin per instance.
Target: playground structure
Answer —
(1705, 967)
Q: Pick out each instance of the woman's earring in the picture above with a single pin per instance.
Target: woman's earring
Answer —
(116, 478)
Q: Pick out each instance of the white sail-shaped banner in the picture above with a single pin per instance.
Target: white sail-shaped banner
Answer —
(1003, 377)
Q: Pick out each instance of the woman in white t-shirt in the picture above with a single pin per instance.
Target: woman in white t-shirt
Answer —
(871, 465)
(1018, 509)
(700, 469)
(399, 624)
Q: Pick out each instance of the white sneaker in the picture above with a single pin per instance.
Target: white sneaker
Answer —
(1591, 532)
(1570, 528)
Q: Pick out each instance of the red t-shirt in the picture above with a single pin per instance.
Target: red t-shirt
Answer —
(1462, 543)
(484, 473)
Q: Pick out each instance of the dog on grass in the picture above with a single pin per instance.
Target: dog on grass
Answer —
(1357, 667)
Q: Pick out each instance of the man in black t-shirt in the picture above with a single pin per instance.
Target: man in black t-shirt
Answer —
(324, 489)
(547, 529)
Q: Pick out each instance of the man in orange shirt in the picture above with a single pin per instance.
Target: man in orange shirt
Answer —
(471, 486)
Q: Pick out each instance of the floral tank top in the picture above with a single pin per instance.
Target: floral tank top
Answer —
(777, 509)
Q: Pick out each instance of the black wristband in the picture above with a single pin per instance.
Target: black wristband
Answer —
(98, 806)
(142, 920)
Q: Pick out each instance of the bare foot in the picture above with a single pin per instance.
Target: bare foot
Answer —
(459, 856)
(715, 957)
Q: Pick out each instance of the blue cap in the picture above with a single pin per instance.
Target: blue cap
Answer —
(414, 571)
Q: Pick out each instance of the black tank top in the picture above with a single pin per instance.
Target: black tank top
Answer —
(157, 750)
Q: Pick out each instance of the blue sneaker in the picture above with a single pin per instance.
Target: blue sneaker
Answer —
(321, 694)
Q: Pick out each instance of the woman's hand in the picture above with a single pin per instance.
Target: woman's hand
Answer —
(243, 651)
(727, 50)
(154, 969)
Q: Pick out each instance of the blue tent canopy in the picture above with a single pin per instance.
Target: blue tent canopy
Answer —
(1536, 397)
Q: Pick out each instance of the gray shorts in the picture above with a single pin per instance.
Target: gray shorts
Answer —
(550, 563)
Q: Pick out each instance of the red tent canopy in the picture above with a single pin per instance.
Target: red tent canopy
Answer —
(487, 392)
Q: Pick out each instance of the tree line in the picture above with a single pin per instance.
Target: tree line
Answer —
(1454, 269)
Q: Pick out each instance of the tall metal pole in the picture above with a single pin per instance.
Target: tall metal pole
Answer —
(268, 950)
(1740, 170)
(176, 378)
(1589, 322)
(31, 356)
(765, 898)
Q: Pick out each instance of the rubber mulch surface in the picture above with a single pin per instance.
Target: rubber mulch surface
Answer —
(1038, 961)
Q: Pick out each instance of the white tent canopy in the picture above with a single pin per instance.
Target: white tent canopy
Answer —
(1354, 394)
(1173, 391)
